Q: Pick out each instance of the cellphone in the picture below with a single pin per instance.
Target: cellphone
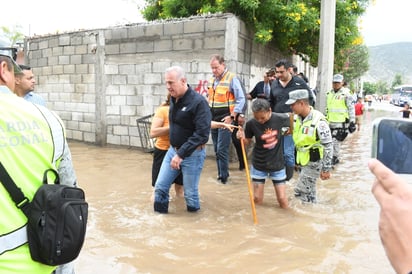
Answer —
(392, 143)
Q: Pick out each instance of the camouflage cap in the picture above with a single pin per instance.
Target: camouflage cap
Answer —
(338, 78)
(7, 50)
(298, 94)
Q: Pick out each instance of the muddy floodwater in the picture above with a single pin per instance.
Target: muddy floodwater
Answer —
(339, 234)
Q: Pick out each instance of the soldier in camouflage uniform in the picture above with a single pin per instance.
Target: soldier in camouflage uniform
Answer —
(313, 143)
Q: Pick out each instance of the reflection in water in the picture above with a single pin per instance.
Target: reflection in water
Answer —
(337, 235)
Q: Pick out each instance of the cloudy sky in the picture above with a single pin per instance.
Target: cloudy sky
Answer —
(384, 23)
(387, 21)
(51, 16)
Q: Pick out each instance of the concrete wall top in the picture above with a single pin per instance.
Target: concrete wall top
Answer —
(101, 80)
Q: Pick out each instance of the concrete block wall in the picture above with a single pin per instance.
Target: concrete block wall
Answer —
(100, 81)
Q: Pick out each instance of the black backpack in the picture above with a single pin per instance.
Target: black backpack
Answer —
(57, 219)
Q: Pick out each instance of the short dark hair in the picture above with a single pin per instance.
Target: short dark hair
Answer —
(303, 76)
(285, 63)
(24, 67)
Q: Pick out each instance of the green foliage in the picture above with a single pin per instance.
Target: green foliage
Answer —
(379, 87)
(382, 88)
(14, 34)
(369, 88)
(353, 62)
(293, 26)
(397, 80)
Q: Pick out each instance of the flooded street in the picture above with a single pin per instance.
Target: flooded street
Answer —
(337, 235)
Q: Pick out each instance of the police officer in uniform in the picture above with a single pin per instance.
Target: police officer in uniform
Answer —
(32, 140)
(340, 113)
(313, 143)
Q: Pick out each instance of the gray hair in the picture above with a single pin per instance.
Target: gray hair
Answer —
(260, 104)
(180, 73)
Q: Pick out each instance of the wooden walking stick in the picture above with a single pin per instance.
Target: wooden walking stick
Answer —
(252, 201)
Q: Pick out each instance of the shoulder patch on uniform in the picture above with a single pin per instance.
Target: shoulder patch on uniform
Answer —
(323, 126)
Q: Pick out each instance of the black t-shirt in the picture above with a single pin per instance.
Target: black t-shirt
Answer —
(279, 94)
(264, 159)
(406, 113)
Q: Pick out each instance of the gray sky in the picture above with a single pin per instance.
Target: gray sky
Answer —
(51, 16)
(388, 21)
(385, 22)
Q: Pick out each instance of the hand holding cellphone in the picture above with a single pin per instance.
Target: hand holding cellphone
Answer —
(392, 143)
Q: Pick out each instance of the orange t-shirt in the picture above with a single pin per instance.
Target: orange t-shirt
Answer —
(163, 142)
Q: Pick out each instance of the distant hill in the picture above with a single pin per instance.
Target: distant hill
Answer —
(385, 61)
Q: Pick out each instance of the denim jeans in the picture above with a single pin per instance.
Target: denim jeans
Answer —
(158, 155)
(289, 150)
(191, 167)
(221, 141)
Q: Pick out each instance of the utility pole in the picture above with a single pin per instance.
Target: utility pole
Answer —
(326, 51)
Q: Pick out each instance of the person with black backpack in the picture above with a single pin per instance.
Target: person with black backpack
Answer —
(34, 152)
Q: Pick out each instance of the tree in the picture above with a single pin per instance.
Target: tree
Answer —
(397, 80)
(293, 26)
(14, 34)
(352, 62)
(369, 88)
(380, 87)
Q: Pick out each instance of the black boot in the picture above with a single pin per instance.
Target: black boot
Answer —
(289, 172)
(335, 160)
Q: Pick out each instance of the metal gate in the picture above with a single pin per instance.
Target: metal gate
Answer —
(143, 125)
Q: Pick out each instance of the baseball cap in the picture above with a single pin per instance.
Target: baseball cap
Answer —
(338, 78)
(7, 50)
(298, 94)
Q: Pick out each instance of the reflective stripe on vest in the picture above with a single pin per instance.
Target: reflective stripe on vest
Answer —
(57, 133)
(337, 111)
(13, 240)
(221, 97)
(305, 138)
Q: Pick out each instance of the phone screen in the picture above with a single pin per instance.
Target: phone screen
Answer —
(392, 144)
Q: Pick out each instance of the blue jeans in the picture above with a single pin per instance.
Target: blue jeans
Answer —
(221, 141)
(289, 150)
(275, 176)
(191, 167)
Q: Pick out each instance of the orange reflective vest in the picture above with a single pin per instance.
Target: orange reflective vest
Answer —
(221, 99)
